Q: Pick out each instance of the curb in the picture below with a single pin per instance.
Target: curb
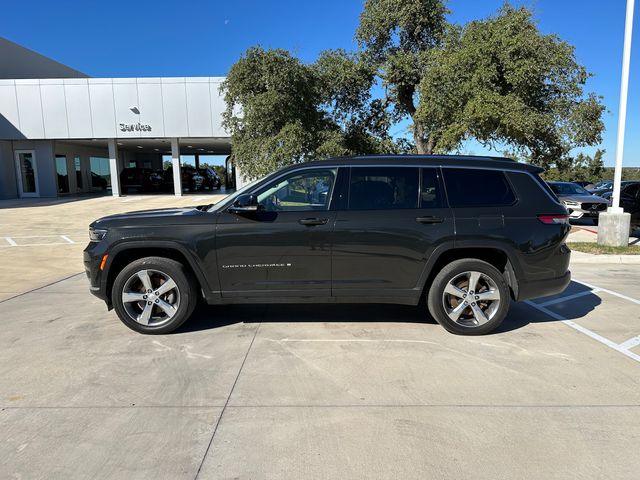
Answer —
(581, 257)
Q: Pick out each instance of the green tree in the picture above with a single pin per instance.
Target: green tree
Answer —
(396, 37)
(501, 81)
(579, 168)
(280, 111)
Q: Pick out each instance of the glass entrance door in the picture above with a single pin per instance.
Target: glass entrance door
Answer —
(63, 174)
(27, 173)
(77, 164)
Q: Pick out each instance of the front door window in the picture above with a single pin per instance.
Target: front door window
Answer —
(300, 192)
(27, 174)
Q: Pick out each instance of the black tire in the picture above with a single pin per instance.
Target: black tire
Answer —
(455, 271)
(186, 288)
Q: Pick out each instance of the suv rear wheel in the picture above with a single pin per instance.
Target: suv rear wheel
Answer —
(469, 297)
(154, 295)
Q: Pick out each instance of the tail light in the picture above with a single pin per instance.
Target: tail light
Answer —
(553, 218)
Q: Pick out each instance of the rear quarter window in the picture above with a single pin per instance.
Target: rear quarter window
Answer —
(477, 188)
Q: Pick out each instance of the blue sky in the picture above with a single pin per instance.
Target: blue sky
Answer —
(166, 38)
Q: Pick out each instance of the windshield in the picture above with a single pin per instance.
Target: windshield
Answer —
(568, 189)
(603, 184)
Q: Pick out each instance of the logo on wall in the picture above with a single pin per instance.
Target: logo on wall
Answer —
(135, 127)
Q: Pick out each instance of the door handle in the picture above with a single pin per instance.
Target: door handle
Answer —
(309, 222)
(429, 219)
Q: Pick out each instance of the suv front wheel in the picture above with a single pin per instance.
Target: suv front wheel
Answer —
(154, 295)
(469, 297)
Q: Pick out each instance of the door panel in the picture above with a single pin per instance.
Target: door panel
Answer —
(384, 250)
(265, 252)
(285, 247)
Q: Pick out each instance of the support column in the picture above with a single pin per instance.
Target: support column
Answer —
(175, 162)
(197, 160)
(614, 224)
(114, 167)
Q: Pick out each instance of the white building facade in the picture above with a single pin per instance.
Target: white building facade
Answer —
(67, 135)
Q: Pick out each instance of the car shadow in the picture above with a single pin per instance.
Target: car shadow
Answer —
(521, 314)
(207, 317)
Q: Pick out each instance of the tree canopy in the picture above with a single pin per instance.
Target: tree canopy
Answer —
(502, 82)
(498, 80)
(281, 111)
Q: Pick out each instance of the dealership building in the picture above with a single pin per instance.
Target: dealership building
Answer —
(62, 132)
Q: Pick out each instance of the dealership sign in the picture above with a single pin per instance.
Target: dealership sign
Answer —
(135, 127)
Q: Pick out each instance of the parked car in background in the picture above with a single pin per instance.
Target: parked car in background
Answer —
(623, 186)
(601, 187)
(98, 182)
(191, 179)
(141, 179)
(629, 200)
(211, 178)
(586, 185)
(579, 202)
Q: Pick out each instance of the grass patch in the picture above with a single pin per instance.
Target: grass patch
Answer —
(596, 249)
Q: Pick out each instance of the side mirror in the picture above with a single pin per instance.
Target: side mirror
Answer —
(245, 203)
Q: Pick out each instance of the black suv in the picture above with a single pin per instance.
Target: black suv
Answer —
(464, 235)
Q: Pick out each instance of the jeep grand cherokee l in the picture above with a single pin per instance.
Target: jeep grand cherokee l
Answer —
(465, 234)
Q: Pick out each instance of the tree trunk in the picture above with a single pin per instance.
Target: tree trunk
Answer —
(424, 146)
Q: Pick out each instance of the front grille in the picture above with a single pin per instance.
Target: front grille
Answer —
(596, 207)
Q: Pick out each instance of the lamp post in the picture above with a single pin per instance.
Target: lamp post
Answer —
(614, 223)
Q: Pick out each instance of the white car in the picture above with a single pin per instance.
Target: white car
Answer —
(579, 202)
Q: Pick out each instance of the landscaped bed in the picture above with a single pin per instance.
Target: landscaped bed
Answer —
(596, 249)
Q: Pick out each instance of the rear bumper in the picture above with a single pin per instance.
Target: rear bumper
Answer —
(543, 288)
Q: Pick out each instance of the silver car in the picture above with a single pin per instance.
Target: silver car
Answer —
(578, 200)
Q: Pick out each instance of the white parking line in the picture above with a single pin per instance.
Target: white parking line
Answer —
(610, 292)
(11, 241)
(38, 245)
(623, 348)
(568, 297)
(631, 343)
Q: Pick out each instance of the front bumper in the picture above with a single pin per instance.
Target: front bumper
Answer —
(92, 257)
(577, 211)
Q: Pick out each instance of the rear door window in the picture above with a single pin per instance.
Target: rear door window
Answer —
(477, 188)
(430, 193)
(383, 188)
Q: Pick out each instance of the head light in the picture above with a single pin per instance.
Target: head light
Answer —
(96, 234)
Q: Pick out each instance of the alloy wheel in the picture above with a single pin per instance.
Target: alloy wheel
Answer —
(471, 299)
(150, 297)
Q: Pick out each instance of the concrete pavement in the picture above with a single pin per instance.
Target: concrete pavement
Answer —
(307, 391)
(317, 392)
(41, 240)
